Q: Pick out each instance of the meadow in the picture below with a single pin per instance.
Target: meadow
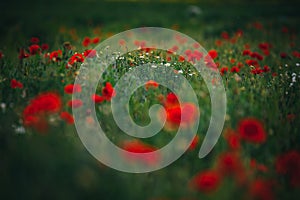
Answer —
(254, 46)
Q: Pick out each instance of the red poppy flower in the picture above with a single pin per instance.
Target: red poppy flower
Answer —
(213, 53)
(266, 68)
(289, 164)
(218, 43)
(75, 103)
(283, 55)
(108, 92)
(206, 181)
(257, 70)
(72, 88)
(264, 46)
(140, 148)
(229, 164)
(90, 53)
(232, 138)
(296, 54)
(151, 84)
(97, 98)
(256, 55)
(34, 115)
(246, 52)
(252, 62)
(234, 69)
(34, 49)
(224, 70)
(44, 47)
(23, 54)
(194, 143)
(34, 40)
(261, 189)
(171, 100)
(55, 55)
(96, 40)
(86, 41)
(252, 130)
(257, 166)
(77, 57)
(225, 35)
(1, 55)
(67, 117)
(15, 84)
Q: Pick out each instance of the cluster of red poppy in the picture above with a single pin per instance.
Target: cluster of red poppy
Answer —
(108, 93)
(88, 41)
(15, 84)
(33, 49)
(177, 114)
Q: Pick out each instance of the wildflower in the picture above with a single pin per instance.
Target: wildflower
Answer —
(90, 53)
(140, 149)
(67, 117)
(252, 130)
(86, 41)
(34, 40)
(213, 53)
(35, 114)
(224, 70)
(34, 49)
(225, 35)
(233, 139)
(257, 166)
(151, 84)
(55, 55)
(72, 88)
(75, 103)
(1, 55)
(108, 92)
(194, 143)
(15, 84)
(97, 98)
(246, 52)
(283, 55)
(288, 164)
(234, 69)
(261, 189)
(44, 47)
(206, 181)
(23, 54)
(266, 68)
(96, 40)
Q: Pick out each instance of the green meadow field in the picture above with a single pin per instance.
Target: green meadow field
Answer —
(253, 45)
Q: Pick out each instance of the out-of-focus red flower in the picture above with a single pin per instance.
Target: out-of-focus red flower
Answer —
(224, 70)
(225, 35)
(122, 42)
(289, 164)
(284, 29)
(218, 43)
(206, 181)
(1, 55)
(151, 84)
(96, 40)
(44, 47)
(140, 149)
(252, 130)
(233, 139)
(75, 103)
(77, 57)
(252, 62)
(213, 53)
(23, 54)
(296, 54)
(15, 84)
(35, 114)
(34, 40)
(97, 98)
(181, 59)
(234, 69)
(108, 92)
(246, 52)
(257, 166)
(55, 55)
(239, 33)
(34, 49)
(67, 117)
(86, 41)
(194, 143)
(266, 68)
(72, 88)
(256, 55)
(264, 46)
(256, 71)
(283, 55)
(90, 53)
(261, 189)
(258, 25)
(229, 164)
(291, 117)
